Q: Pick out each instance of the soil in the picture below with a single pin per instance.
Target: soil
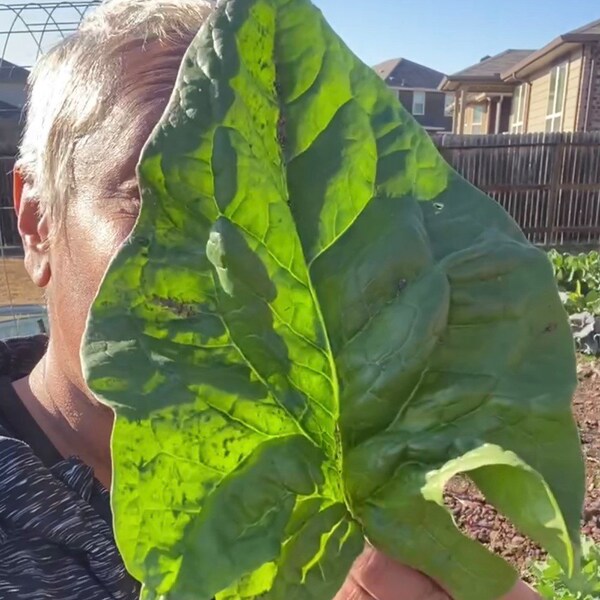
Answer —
(480, 521)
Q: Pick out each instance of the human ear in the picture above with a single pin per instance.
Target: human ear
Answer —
(34, 230)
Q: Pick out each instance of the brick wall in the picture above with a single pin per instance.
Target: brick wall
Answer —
(592, 112)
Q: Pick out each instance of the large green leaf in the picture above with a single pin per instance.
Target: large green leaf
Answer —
(315, 324)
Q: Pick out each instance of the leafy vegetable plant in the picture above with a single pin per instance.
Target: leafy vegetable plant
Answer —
(551, 582)
(316, 323)
(578, 277)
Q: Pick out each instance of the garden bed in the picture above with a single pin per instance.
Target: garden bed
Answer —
(473, 515)
(482, 522)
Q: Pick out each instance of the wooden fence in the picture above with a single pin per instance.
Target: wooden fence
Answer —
(549, 183)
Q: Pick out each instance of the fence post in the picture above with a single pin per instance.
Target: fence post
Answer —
(556, 176)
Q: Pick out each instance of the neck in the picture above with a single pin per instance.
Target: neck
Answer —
(75, 423)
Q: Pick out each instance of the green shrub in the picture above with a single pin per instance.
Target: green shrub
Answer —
(578, 278)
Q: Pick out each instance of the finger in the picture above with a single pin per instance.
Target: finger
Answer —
(522, 591)
(385, 579)
(352, 591)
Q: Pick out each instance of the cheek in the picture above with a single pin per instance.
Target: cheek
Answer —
(99, 236)
(80, 262)
(104, 237)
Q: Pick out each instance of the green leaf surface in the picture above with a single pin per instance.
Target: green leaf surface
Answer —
(315, 324)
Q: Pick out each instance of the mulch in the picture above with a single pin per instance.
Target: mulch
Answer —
(480, 521)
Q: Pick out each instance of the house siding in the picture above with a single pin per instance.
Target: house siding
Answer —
(540, 91)
(573, 91)
(538, 104)
(10, 134)
(13, 93)
(406, 98)
(434, 109)
(435, 105)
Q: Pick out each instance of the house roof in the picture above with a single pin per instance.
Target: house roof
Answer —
(9, 72)
(400, 72)
(592, 28)
(556, 48)
(488, 70)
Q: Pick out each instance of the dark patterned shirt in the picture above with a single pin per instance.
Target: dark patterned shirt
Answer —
(56, 541)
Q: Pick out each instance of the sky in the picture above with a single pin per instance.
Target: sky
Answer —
(446, 35)
(449, 35)
(24, 30)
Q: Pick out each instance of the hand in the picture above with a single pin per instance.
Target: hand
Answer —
(374, 576)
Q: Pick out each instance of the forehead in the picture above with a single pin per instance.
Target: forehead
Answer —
(106, 158)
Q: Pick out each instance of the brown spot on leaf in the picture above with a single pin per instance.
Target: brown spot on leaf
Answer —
(178, 308)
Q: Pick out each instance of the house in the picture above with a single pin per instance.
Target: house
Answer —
(483, 100)
(13, 89)
(417, 89)
(13, 92)
(555, 88)
(13, 83)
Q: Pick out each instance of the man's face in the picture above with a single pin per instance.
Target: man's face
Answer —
(106, 201)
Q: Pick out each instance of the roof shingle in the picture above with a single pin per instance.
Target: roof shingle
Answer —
(493, 67)
(592, 28)
(400, 72)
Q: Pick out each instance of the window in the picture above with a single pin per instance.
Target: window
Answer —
(449, 105)
(517, 117)
(418, 107)
(477, 122)
(556, 98)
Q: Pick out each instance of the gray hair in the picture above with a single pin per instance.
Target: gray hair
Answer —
(73, 87)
